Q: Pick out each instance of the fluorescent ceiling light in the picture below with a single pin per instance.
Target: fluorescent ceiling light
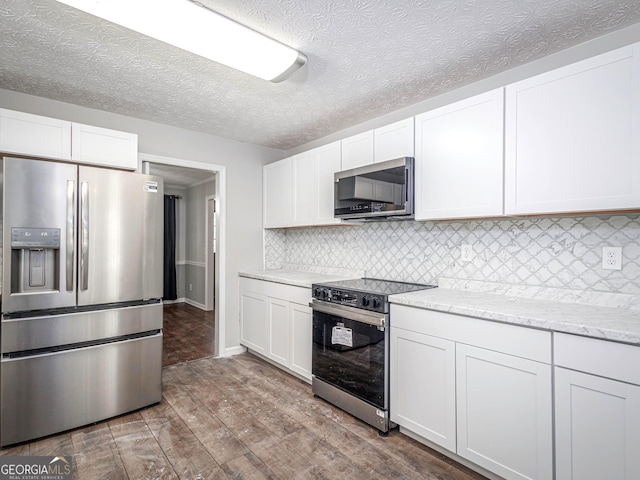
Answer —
(196, 29)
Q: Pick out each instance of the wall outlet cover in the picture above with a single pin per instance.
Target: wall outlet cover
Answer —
(466, 253)
(612, 258)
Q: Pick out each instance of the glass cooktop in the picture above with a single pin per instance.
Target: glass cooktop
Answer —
(376, 286)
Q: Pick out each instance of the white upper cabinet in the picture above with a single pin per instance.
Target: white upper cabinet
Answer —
(573, 137)
(313, 185)
(357, 150)
(34, 135)
(38, 136)
(328, 162)
(103, 146)
(298, 191)
(304, 187)
(459, 159)
(385, 143)
(393, 141)
(277, 188)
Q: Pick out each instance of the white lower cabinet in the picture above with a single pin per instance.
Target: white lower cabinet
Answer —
(301, 331)
(597, 418)
(253, 326)
(278, 329)
(275, 321)
(504, 413)
(482, 390)
(423, 388)
(597, 427)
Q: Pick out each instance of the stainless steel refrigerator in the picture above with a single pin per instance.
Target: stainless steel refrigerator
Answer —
(81, 330)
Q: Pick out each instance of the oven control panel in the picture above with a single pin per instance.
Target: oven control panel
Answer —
(366, 301)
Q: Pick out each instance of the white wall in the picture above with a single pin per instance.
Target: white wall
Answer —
(195, 200)
(243, 164)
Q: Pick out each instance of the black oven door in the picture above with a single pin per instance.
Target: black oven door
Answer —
(351, 354)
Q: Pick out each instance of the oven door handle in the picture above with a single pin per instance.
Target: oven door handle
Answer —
(350, 313)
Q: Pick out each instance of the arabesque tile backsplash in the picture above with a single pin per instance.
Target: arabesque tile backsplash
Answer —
(555, 252)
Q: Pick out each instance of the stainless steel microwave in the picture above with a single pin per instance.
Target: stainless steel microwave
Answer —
(379, 191)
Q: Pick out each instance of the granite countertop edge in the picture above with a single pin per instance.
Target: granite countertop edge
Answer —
(606, 323)
(294, 278)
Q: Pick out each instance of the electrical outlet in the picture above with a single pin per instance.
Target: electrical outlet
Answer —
(466, 253)
(190, 287)
(612, 258)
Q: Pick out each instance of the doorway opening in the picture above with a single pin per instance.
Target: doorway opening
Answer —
(192, 314)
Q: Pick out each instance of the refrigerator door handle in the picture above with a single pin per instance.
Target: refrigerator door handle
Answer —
(70, 236)
(84, 236)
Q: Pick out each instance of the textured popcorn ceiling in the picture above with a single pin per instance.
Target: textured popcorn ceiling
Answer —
(366, 59)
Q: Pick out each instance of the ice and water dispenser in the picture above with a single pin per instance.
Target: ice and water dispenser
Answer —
(34, 259)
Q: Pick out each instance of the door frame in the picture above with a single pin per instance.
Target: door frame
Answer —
(219, 294)
(209, 251)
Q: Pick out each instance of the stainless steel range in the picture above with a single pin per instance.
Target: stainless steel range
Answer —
(350, 360)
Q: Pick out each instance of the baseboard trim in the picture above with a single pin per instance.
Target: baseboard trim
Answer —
(195, 304)
(237, 350)
(177, 300)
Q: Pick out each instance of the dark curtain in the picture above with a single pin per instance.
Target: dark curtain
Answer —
(170, 288)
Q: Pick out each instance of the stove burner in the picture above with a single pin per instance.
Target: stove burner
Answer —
(365, 293)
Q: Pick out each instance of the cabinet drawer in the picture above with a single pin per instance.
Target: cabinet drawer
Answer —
(599, 357)
(78, 385)
(291, 293)
(511, 339)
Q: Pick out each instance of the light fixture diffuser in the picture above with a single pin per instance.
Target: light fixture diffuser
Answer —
(196, 29)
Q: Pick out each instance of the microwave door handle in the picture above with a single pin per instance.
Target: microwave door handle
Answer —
(71, 233)
(84, 236)
(406, 185)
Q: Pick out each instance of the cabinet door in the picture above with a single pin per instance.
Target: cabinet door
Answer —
(304, 188)
(328, 162)
(277, 187)
(504, 413)
(423, 386)
(278, 311)
(34, 135)
(102, 146)
(597, 434)
(301, 336)
(253, 321)
(393, 141)
(459, 159)
(573, 137)
(357, 150)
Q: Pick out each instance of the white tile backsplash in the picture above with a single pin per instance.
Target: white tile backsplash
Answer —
(551, 252)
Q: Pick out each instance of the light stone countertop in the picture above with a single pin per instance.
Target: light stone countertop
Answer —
(616, 324)
(295, 278)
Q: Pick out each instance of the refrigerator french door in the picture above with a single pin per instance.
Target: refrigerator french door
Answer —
(81, 336)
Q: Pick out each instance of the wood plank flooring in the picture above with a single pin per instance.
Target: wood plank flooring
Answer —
(236, 418)
(241, 418)
(188, 333)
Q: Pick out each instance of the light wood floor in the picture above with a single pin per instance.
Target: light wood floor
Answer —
(240, 418)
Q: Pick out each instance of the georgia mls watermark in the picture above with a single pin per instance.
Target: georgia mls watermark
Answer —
(35, 468)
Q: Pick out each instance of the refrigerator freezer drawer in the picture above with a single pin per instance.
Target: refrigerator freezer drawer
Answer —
(32, 333)
(51, 393)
